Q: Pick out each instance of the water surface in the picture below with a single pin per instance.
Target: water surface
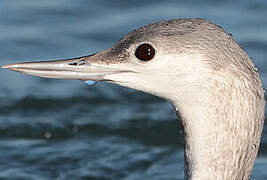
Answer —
(62, 129)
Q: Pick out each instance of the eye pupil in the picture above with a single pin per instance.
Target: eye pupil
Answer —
(145, 52)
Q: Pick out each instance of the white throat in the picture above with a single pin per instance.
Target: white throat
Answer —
(222, 131)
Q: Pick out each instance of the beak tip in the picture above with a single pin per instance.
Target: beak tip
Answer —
(5, 66)
(9, 66)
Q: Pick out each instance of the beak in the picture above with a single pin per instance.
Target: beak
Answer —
(81, 68)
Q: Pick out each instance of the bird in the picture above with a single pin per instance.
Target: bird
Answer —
(195, 65)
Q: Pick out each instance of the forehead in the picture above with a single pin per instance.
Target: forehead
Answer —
(176, 30)
(172, 28)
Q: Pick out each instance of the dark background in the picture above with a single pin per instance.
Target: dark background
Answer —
(62, 129)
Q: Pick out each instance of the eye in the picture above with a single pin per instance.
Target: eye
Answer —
(145, 52)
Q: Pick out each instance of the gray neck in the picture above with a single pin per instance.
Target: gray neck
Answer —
(222, 133)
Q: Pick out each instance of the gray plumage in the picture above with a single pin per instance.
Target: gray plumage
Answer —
(203, 72)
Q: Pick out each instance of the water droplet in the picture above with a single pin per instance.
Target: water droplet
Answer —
(47, 135)
(90, 82)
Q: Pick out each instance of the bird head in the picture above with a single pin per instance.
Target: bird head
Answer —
(163, 59)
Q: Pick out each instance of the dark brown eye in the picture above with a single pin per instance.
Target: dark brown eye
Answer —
(145, 52)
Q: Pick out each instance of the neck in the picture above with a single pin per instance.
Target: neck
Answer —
(222, 133)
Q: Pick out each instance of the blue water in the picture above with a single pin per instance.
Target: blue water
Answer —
(63, 129)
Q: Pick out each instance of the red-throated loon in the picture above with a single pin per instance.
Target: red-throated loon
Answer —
(198, 67)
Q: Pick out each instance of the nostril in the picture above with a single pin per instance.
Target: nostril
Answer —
(73, 64)
(79, 63)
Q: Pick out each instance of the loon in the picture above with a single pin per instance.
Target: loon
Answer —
(196, 66)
